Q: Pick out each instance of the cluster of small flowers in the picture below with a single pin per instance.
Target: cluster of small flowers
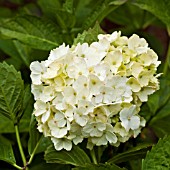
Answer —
(94, 91)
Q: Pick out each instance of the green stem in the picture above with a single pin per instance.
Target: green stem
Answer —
(16, 166)
(93, 156)
(33, 153)
(166, 64)
(20, 146)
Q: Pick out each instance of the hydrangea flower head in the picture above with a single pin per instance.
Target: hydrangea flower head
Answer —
(94, 91)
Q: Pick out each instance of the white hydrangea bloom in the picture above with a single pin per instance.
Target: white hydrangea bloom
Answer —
(94, 91)
(37, 70)
(129, 119)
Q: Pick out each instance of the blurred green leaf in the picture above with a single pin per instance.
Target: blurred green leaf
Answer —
(160, 122)
(101, 10)
(49, 7)
(5, 12)
(30, 9)
(159, 9)
(159, 157)
(22, 51)
(135, 164)
(89, 36)
(68, 6)
(38, 33)
(6, 151)
(62, 13)
(76, 156)
(7, 46)
(11, 92)
(131, 16)
(133, 153)
(99, 167)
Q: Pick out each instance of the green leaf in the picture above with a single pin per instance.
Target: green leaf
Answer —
(6, 151)
(45, 166)
(6, 124)
(99, 167)
(131, 16)
(5, 12)
(7, 46)
(76, 156)
(60, 13)
(45, 142)
(37, 143)
(23, 52)
(133, 153)
(159, 9)
(11, 92)
(100, 11)
(89, 36)
(35, 136)
(159, 157)
(68, 6)
(160, 122)
(40, 164)
(38, 33)
(49, 7)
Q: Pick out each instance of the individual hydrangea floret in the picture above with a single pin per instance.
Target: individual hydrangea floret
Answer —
(94, 91)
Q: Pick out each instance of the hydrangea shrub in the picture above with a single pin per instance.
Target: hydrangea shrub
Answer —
(94, 91)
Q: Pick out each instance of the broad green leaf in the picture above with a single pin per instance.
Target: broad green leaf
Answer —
(60, 13)
(100, 11)
(160, 122)
(89, 36)
(45, 166)
(11, 92)
(49, 7)
(99, 167)
(65, 19)
(135, 164)
(40, 164)
(131, 16)
(75, 157)
(159, 157)
(7, 46)
(133, 153)
(38, 33)
(159, 9)
(45, 142)
(5, 12)
(22, 51)
(6, 151)
(83, 10)
(7, 126)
